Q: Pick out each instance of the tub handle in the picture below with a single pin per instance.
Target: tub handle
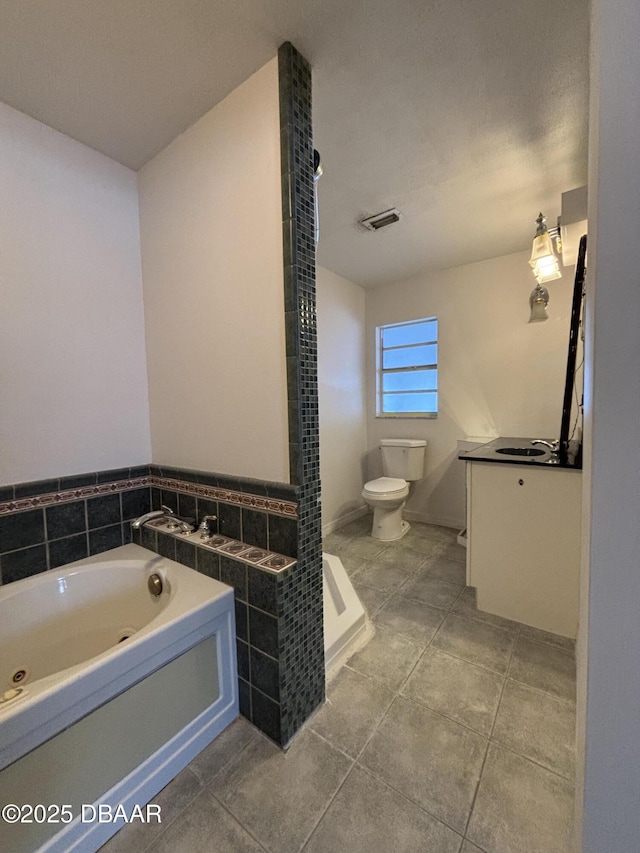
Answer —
(155, 584)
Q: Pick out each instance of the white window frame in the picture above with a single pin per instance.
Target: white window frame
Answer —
(380, 371)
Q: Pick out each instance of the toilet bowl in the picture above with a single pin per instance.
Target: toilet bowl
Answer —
(386, 496)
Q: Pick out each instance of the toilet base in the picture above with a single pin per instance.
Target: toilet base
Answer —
(388, 526)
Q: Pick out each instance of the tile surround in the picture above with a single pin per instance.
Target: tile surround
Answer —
(88, 513)
(84, 515)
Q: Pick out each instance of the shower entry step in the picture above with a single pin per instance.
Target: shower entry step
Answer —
(346, 626)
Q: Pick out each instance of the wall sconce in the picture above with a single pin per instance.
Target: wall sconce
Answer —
(543, 260)
(538, 301)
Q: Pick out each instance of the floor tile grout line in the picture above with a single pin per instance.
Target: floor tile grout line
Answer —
(156, 840)
(473, 663)
(411, 572)
(237, 820)
(445, 716)
(506, 675)
(406, 796)
(256, 735)
(329, 804)
(468, 618)
(475, 793)
(412, 670)
(354, 760)
(531, 760)
(332, 745)
(206, 786)
(502, 676)
(228, 808)
(398, 591)
(475, 844)
(357, 763)
(424, 651)
(489, 739)
(439, 713)
(446, 610)
(568, 652)
(542, 690)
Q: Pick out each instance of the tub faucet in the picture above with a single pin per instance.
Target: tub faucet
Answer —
(185, 524)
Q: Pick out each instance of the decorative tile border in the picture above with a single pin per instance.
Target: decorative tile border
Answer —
(68, 495)
(273, 506)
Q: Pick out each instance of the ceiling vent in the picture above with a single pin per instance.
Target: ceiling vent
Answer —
(381, 220)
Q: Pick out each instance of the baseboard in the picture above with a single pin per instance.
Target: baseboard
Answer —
(409, 514)
(352, 515)
(423, 518)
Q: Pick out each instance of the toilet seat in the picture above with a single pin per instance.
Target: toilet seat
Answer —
(385, 487)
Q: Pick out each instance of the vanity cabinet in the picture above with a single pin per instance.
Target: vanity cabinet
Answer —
(523, 547)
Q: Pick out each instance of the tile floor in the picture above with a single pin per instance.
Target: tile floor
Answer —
(450, 732)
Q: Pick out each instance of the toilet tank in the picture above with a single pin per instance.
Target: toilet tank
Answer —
(403, 457)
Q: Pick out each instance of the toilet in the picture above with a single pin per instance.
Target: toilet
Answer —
(402, 463)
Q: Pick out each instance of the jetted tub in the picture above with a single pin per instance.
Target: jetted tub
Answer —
(109, 690)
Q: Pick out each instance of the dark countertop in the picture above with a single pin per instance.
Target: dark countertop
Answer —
(490, 453)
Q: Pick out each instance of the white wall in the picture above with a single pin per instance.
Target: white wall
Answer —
(341, 396)
(73, 382)
(211, 233)
(608, 681)
(498, 373)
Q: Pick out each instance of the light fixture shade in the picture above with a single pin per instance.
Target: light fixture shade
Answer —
(543, 260)
(539, 300)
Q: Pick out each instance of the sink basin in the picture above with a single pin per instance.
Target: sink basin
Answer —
(521, 451)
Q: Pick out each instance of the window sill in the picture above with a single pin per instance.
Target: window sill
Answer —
(423, 415)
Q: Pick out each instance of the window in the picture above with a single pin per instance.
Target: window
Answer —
(407, 369)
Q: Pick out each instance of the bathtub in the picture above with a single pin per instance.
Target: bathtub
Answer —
(108, 690)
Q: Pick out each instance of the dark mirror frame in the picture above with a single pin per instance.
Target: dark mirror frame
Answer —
(572, 454)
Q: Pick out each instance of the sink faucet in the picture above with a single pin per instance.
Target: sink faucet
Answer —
(185, 524)
(553, 446)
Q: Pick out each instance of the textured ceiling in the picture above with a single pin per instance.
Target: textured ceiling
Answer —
(468, 115)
